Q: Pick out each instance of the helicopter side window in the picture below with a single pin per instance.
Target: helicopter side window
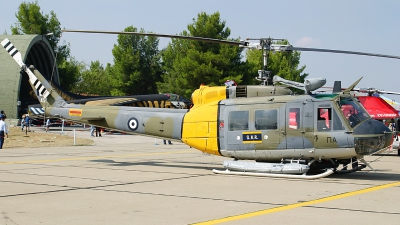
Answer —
(266, 119)
(324, 119)
(238, 120)
(294, 118)
(336, 122)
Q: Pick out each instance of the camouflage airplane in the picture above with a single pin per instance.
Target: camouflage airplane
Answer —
(285, 135)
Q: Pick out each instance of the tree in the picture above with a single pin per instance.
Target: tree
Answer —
(94, 80)
(32, 21)
(188, 64)
(137, 65)
(283, 64)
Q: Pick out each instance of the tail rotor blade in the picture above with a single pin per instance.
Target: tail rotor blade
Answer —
(12, 51)
(41, 91)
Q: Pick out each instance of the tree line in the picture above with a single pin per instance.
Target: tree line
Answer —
(140, 67)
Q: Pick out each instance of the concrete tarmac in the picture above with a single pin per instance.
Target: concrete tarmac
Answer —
(129, 179)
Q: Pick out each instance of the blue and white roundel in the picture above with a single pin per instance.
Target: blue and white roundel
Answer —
(133, 124)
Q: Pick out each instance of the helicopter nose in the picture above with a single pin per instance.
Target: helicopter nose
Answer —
(371, 136)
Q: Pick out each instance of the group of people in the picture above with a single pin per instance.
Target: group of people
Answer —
(169, 142)
(93, 129)
(25, 122)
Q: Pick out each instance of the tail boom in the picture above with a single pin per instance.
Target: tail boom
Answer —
(156, 122)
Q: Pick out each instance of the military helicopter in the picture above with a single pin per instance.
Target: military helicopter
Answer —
(285, 135)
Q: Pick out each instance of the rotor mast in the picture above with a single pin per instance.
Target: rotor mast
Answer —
(266, 45)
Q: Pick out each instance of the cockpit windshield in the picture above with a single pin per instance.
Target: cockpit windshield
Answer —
(352, 111)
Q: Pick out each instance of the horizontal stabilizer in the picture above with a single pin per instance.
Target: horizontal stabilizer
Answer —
(36, 111)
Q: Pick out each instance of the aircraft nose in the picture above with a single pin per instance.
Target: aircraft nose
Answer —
(371, 136)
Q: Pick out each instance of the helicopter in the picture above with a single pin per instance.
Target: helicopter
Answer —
(272, 134)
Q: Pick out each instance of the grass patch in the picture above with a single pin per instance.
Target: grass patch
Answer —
(18, 139)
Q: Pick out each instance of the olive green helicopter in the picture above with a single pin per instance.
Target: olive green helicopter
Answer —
(265, 129)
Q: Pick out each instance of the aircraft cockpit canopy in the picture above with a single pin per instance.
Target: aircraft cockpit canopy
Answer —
(353, 111)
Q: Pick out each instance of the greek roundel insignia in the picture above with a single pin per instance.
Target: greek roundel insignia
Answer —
(133, 124)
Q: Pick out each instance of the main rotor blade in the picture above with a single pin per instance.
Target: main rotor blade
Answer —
(235, 43)
(388, 92)
(212, 40)
(291, 48)
(374, 90)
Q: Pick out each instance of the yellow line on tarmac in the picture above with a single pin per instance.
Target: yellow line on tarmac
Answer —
(297, 205)
(93, 157)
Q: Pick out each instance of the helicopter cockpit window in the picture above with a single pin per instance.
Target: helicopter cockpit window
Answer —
(238, 120)
(266, 119)
(324, 119)
(294, 118)
(352, 111)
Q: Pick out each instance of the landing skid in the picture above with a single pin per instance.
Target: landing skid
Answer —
(291, 176)
(355, 167)
(343, 171)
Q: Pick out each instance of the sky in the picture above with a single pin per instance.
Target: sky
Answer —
(357, 25)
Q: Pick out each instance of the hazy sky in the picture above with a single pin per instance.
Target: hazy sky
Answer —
(357, 25)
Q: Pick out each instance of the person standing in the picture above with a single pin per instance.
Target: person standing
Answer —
(3, 113)
(92, 130)
(27, 123)
(47, 125)
(98, 132)
(22, 122)
(3, 130)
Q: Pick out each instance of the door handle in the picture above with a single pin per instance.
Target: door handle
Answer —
(283, 132)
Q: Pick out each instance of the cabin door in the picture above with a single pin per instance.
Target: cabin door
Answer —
(299, 125)
(330, 130)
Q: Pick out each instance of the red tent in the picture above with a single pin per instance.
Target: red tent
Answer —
(378, 108)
